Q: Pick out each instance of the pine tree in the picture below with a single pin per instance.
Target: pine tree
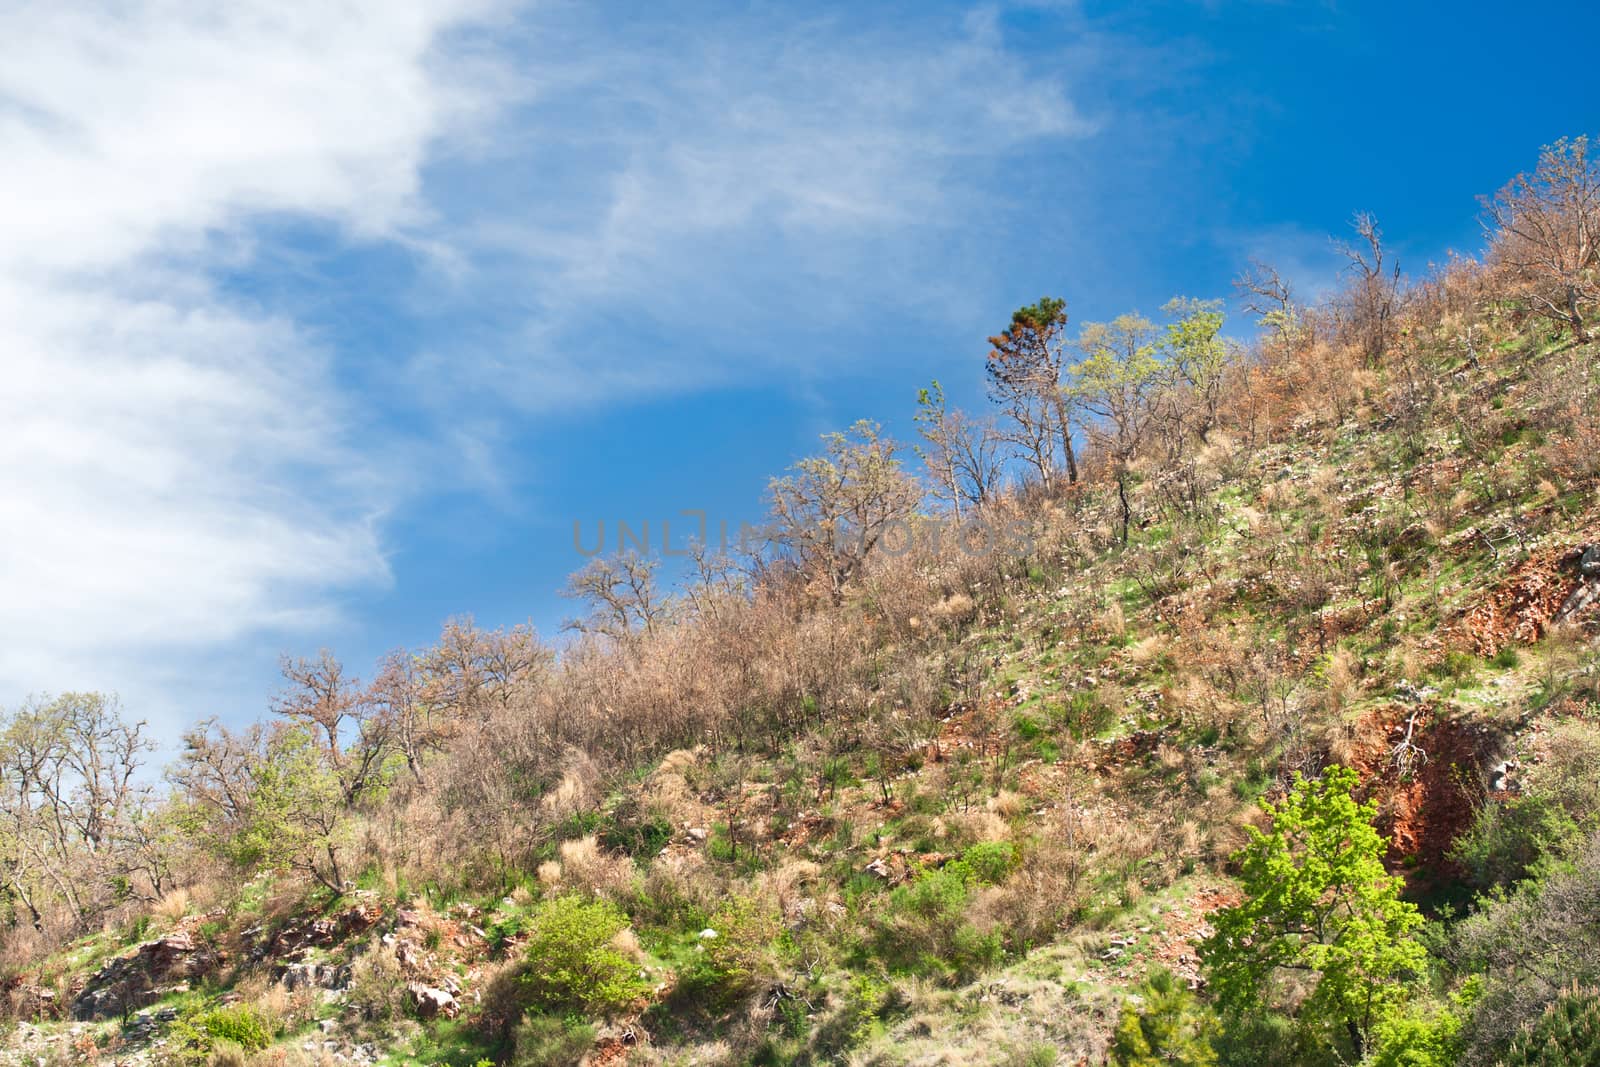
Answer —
(1566, 1035)
(1171, 1027)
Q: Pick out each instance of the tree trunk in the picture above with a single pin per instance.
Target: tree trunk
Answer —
(1576, 319)
(1122, 497)
(1066, 438)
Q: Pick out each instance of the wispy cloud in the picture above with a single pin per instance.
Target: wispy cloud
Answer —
(737, 181)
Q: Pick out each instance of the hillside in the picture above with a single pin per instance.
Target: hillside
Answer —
(961, 769)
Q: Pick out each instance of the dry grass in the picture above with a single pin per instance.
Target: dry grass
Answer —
(1007, 804)
(173, 906)
(588, 868)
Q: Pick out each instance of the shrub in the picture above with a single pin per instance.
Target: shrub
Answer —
(1410, 1040)
(925, 929)
(546, 1041)
(570, 962)
(1509, 838)
(633, 829)
(750, 946)
(239, 1025)
(377, 984)
(988, 862)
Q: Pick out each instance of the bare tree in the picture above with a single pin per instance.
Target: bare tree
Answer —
(470, 669)
(961, 454)
(356, 739)
(715, 582)
(1373, 301)
(68, 791)
(320, 695)
(1267, 295)
(1545, 226)
(401, 695)
(835, 509)
(621, 595)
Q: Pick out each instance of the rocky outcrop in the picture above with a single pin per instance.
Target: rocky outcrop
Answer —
(294, 940)
(314, 976)
(152, 970)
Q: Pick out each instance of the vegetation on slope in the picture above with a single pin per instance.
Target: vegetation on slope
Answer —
(1207, 704)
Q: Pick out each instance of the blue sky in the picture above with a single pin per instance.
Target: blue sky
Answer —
(324, 323)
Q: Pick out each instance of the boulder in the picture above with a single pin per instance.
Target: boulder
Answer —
(432, 1003)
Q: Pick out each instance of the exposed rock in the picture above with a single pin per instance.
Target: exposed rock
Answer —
(307, 933)
(1583, 596)
(314, 976)
(147, 1024)
(1500, 777)
(433, 1003)
(408, 953)
(129, 982)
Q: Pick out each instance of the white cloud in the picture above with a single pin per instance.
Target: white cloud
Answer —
(179, 467)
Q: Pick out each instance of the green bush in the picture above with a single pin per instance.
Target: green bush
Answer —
(1265, 1040)
(924, 929)
(570, 962)
(1509, 839)
(1410, 1040)
(750, 948)
(987, 863)
(238, 1024)
(548, 1041)
(632, 828)
(855, 1010)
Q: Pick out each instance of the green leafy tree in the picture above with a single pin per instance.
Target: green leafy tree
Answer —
(1317, 902)
(298, 814)
(266, 798)
(1198, 355)
(1169, 1027)
(1118, 381)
